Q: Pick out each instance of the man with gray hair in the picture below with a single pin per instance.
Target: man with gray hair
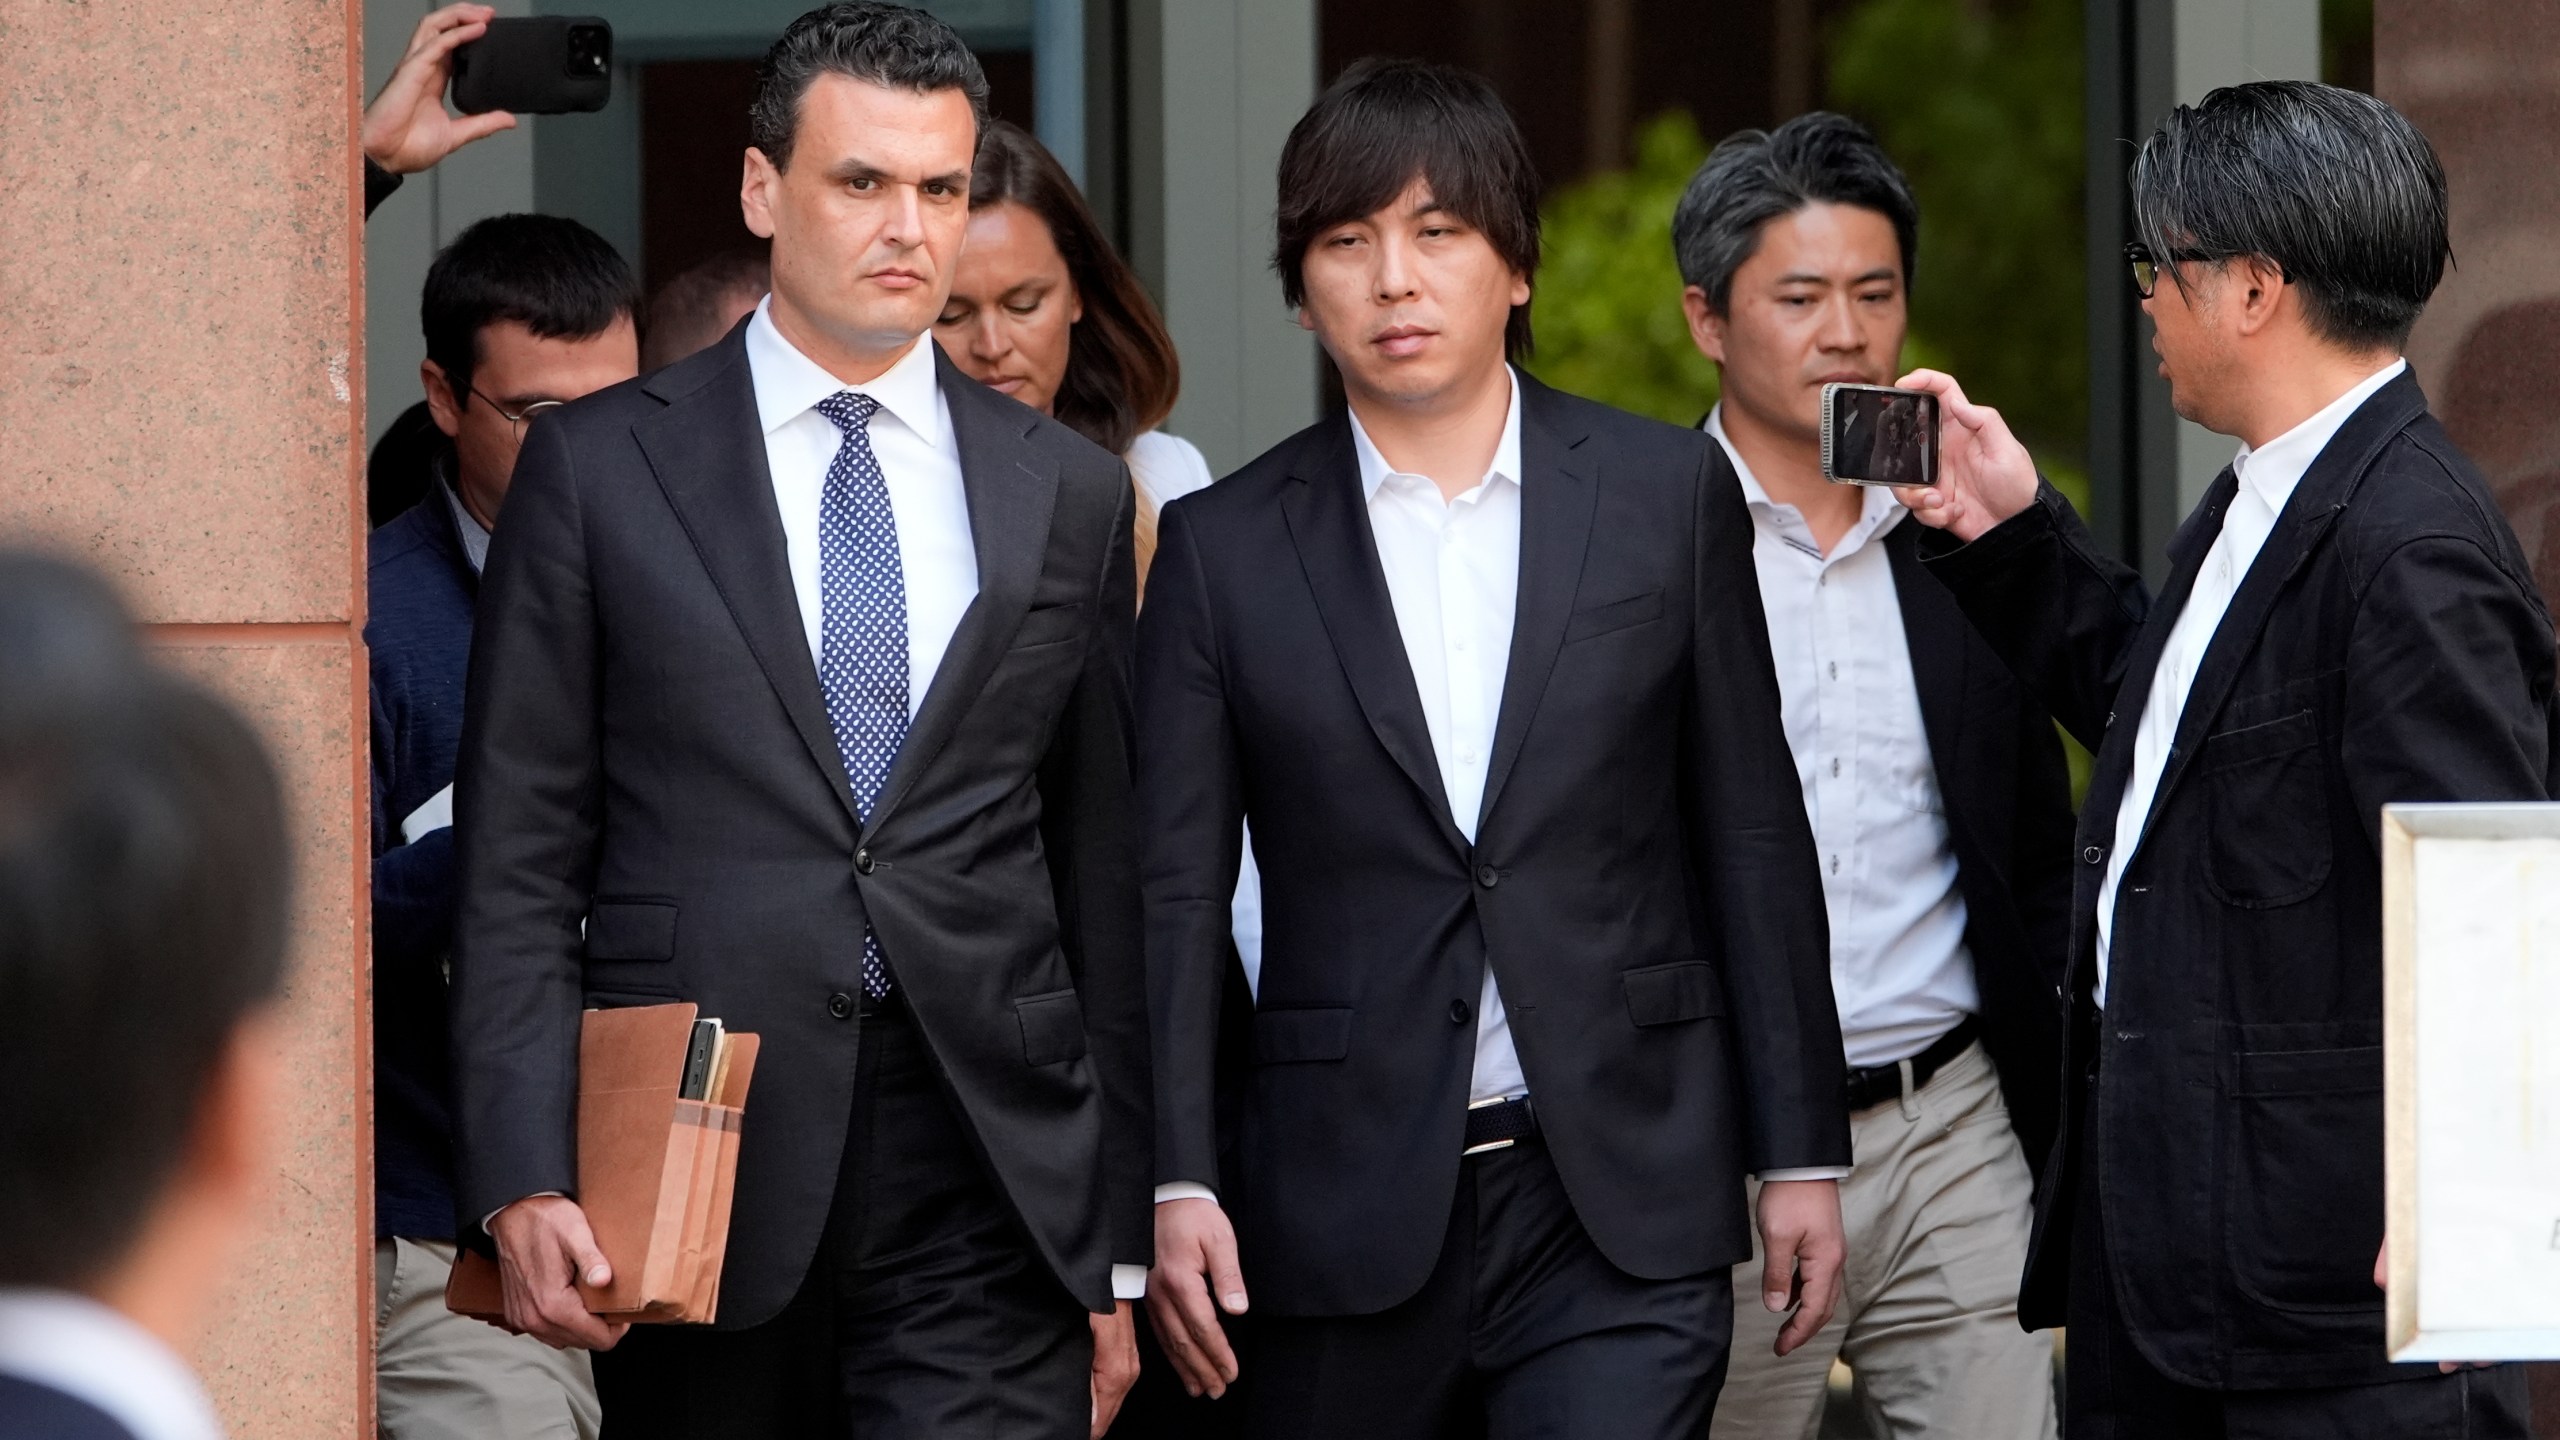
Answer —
(2348, 622)
(1938, 796)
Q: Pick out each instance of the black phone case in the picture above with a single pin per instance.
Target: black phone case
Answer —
(525, 65)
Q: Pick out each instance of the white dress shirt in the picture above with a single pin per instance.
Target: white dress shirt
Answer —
(2267, 479)
(75, 1345)
(919, 458)
(1899, 969)
(1453, 575)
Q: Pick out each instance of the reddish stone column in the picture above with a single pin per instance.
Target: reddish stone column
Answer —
(180, 294)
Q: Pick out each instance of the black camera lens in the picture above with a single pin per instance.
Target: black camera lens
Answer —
(590, 49)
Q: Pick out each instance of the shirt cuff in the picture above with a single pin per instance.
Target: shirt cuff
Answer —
(1805, 1172)
(1185, 1190)
(501, 1210)
(1128, 1282)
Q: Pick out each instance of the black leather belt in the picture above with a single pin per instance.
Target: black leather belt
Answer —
(1498, 1126)
(1877, 1084)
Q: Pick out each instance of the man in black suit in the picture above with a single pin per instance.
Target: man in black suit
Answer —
(2347, 622)
(1939, 799)
(142, 931)
(1542, 972)
(800, 692)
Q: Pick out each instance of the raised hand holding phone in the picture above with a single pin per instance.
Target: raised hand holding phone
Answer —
(407, 129)
(1984, 475)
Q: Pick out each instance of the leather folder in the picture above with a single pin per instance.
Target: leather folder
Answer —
(655, 1172)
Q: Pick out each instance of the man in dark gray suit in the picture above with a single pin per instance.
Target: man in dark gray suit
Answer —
(800, 692)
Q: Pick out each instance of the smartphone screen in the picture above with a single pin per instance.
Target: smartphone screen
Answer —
(1875, 435)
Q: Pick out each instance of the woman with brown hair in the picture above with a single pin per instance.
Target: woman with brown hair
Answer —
(1043, 309)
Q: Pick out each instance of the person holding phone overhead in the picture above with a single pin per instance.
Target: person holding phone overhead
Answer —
(2347, 622)
(1937, 792)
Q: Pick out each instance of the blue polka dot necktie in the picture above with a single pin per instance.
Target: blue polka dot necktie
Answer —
(863, 652)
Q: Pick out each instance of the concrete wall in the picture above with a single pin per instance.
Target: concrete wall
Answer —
(180, 405)
(1214, 87)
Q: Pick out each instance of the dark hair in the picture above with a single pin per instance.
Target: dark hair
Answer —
(1755, 176)
(142, 916)
(1122, 375)
(892, 46)
(686, 314)
(553, 276)
(2333, 186)
(1383, 125)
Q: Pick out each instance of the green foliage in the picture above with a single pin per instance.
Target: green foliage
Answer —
(1607, 306)
(1980, 102)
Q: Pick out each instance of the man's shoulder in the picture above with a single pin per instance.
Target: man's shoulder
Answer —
(1627, 433)
(1248, 493)
(30, 1411)
(2420, 485)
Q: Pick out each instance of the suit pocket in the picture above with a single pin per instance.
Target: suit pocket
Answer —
(2267, 795)
(1670, 994)
(1291, 1037)
(2302, 1185)
(1611, 615)
(1051, 625)
(1052, 1027)
(631, 930)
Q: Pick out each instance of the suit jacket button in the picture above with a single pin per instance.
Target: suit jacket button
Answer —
(1487, 876)
(840, 1005)
(2093, 855)
(862, 861)
(1460, 1012)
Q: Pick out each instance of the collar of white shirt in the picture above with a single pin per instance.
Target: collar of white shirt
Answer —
(1881, 513)
(75, 1345)
(2274, 469)
(1374, 469)
(788, 382)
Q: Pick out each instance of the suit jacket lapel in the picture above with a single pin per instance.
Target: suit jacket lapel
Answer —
(2323, 492)
(2187, 549)
(1328, 519)
(1012, 490)
(1558, 493)
(707, 450)
(1936, 634)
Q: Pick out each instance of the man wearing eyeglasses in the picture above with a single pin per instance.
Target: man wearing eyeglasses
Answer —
(2347, 622)
(523, 313)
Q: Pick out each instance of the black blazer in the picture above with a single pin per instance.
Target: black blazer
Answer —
(2387, 645)
(1643, 881)
(646, 754)
(2007, 792)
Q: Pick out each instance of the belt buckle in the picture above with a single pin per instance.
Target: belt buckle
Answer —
(1489, 1145)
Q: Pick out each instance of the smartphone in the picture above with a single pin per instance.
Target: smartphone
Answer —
(1877, 435)
(536, 65)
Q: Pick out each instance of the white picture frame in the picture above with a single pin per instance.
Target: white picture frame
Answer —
(2471, 1080)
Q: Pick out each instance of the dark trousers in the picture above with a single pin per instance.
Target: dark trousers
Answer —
(927, 1312)
(2111, 1392)
(1523, 1330)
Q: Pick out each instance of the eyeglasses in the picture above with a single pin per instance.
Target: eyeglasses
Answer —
(2146, 267)
(544, 407)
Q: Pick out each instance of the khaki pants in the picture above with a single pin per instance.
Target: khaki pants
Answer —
(1936, 1214)
(442, 1376)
